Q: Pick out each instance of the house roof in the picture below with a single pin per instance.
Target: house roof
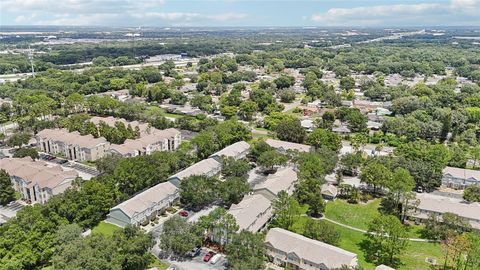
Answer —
(202, 167)
(146, 199)
(72, 138)
(248, 212)
(329, 190)
(288, 145)
(309, 249)
(441, 204)
(462, 173)
(36, 172)
(233, 150)
(283, 179)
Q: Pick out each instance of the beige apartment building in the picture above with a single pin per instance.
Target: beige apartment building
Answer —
(37, 181)
(72, 145)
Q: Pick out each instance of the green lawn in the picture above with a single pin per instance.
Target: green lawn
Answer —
(105, 228)
(356, 215)
(155, 262)
(360, 215)
(18, 195)
(413, 258)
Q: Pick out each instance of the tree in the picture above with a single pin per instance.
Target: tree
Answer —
(472, 193)
(206, 144)
(322, 231)
(287, 210)
(424, 161)
(350, 163)
(291, 131)
(401, 183)
(198, 191)
(232, 167)
(246, 251)
(7, 193)
(179, 236)
(233, 189)
(376, 174)
(385, 240)
(24, 152)
(287, 95)
(228, 111)
(18, 139)
(284, 81)
(322, 138)
(270, 159)
(347, 83)
(247, 109)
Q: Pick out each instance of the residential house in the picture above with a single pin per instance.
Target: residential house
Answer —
(283, 180)
(252, 213)
(238, 150)
(207, 167)
(439, 205)
(283, 146)
(141, 208)
(37, 181)
(72, 145)
(459, 178)
(288, 249)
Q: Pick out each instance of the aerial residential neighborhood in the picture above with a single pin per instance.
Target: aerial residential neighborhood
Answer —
(239, 135)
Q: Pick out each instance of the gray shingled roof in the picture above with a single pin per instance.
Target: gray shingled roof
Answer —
(233, 150)
(146, 199)
(283, 179)
(309, 249)
(288, 145)
(247, 213)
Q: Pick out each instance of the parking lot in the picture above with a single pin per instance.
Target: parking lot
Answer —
(197, 262)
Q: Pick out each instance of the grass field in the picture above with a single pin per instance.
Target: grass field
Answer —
(105, 228)
(359, 216)
(157, 263)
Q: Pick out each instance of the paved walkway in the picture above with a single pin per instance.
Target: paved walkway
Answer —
(366, 232)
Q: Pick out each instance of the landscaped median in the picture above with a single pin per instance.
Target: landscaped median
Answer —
(359, 216)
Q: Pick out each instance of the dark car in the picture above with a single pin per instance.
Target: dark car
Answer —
(63, 161)
(183, 213)
(208, 256)
(195, 252)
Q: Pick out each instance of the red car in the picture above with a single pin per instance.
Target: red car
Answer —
(208, 256)
(183, 213)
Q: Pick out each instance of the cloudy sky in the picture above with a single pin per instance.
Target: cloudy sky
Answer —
(241, 12)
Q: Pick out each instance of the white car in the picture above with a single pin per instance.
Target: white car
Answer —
(215, 258)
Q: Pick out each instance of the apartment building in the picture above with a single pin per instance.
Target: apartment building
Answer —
(288, 249)
(72, 145)
(437, 205)
(282, 180)
(459, 178)
(37, 181)
(141, 208)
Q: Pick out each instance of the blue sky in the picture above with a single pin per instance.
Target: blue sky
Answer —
(370, 13)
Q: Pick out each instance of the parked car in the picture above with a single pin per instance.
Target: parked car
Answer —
(63, 161)
(183, 213)
(215, 258)
(195, 252)
(208, 256)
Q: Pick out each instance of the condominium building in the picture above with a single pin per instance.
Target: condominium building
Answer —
(144, 206)
(460, 178)
(37, 181)
(72, 145)
(295, 251)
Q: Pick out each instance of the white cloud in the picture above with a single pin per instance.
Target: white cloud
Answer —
(418, 14)
(104, 12)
